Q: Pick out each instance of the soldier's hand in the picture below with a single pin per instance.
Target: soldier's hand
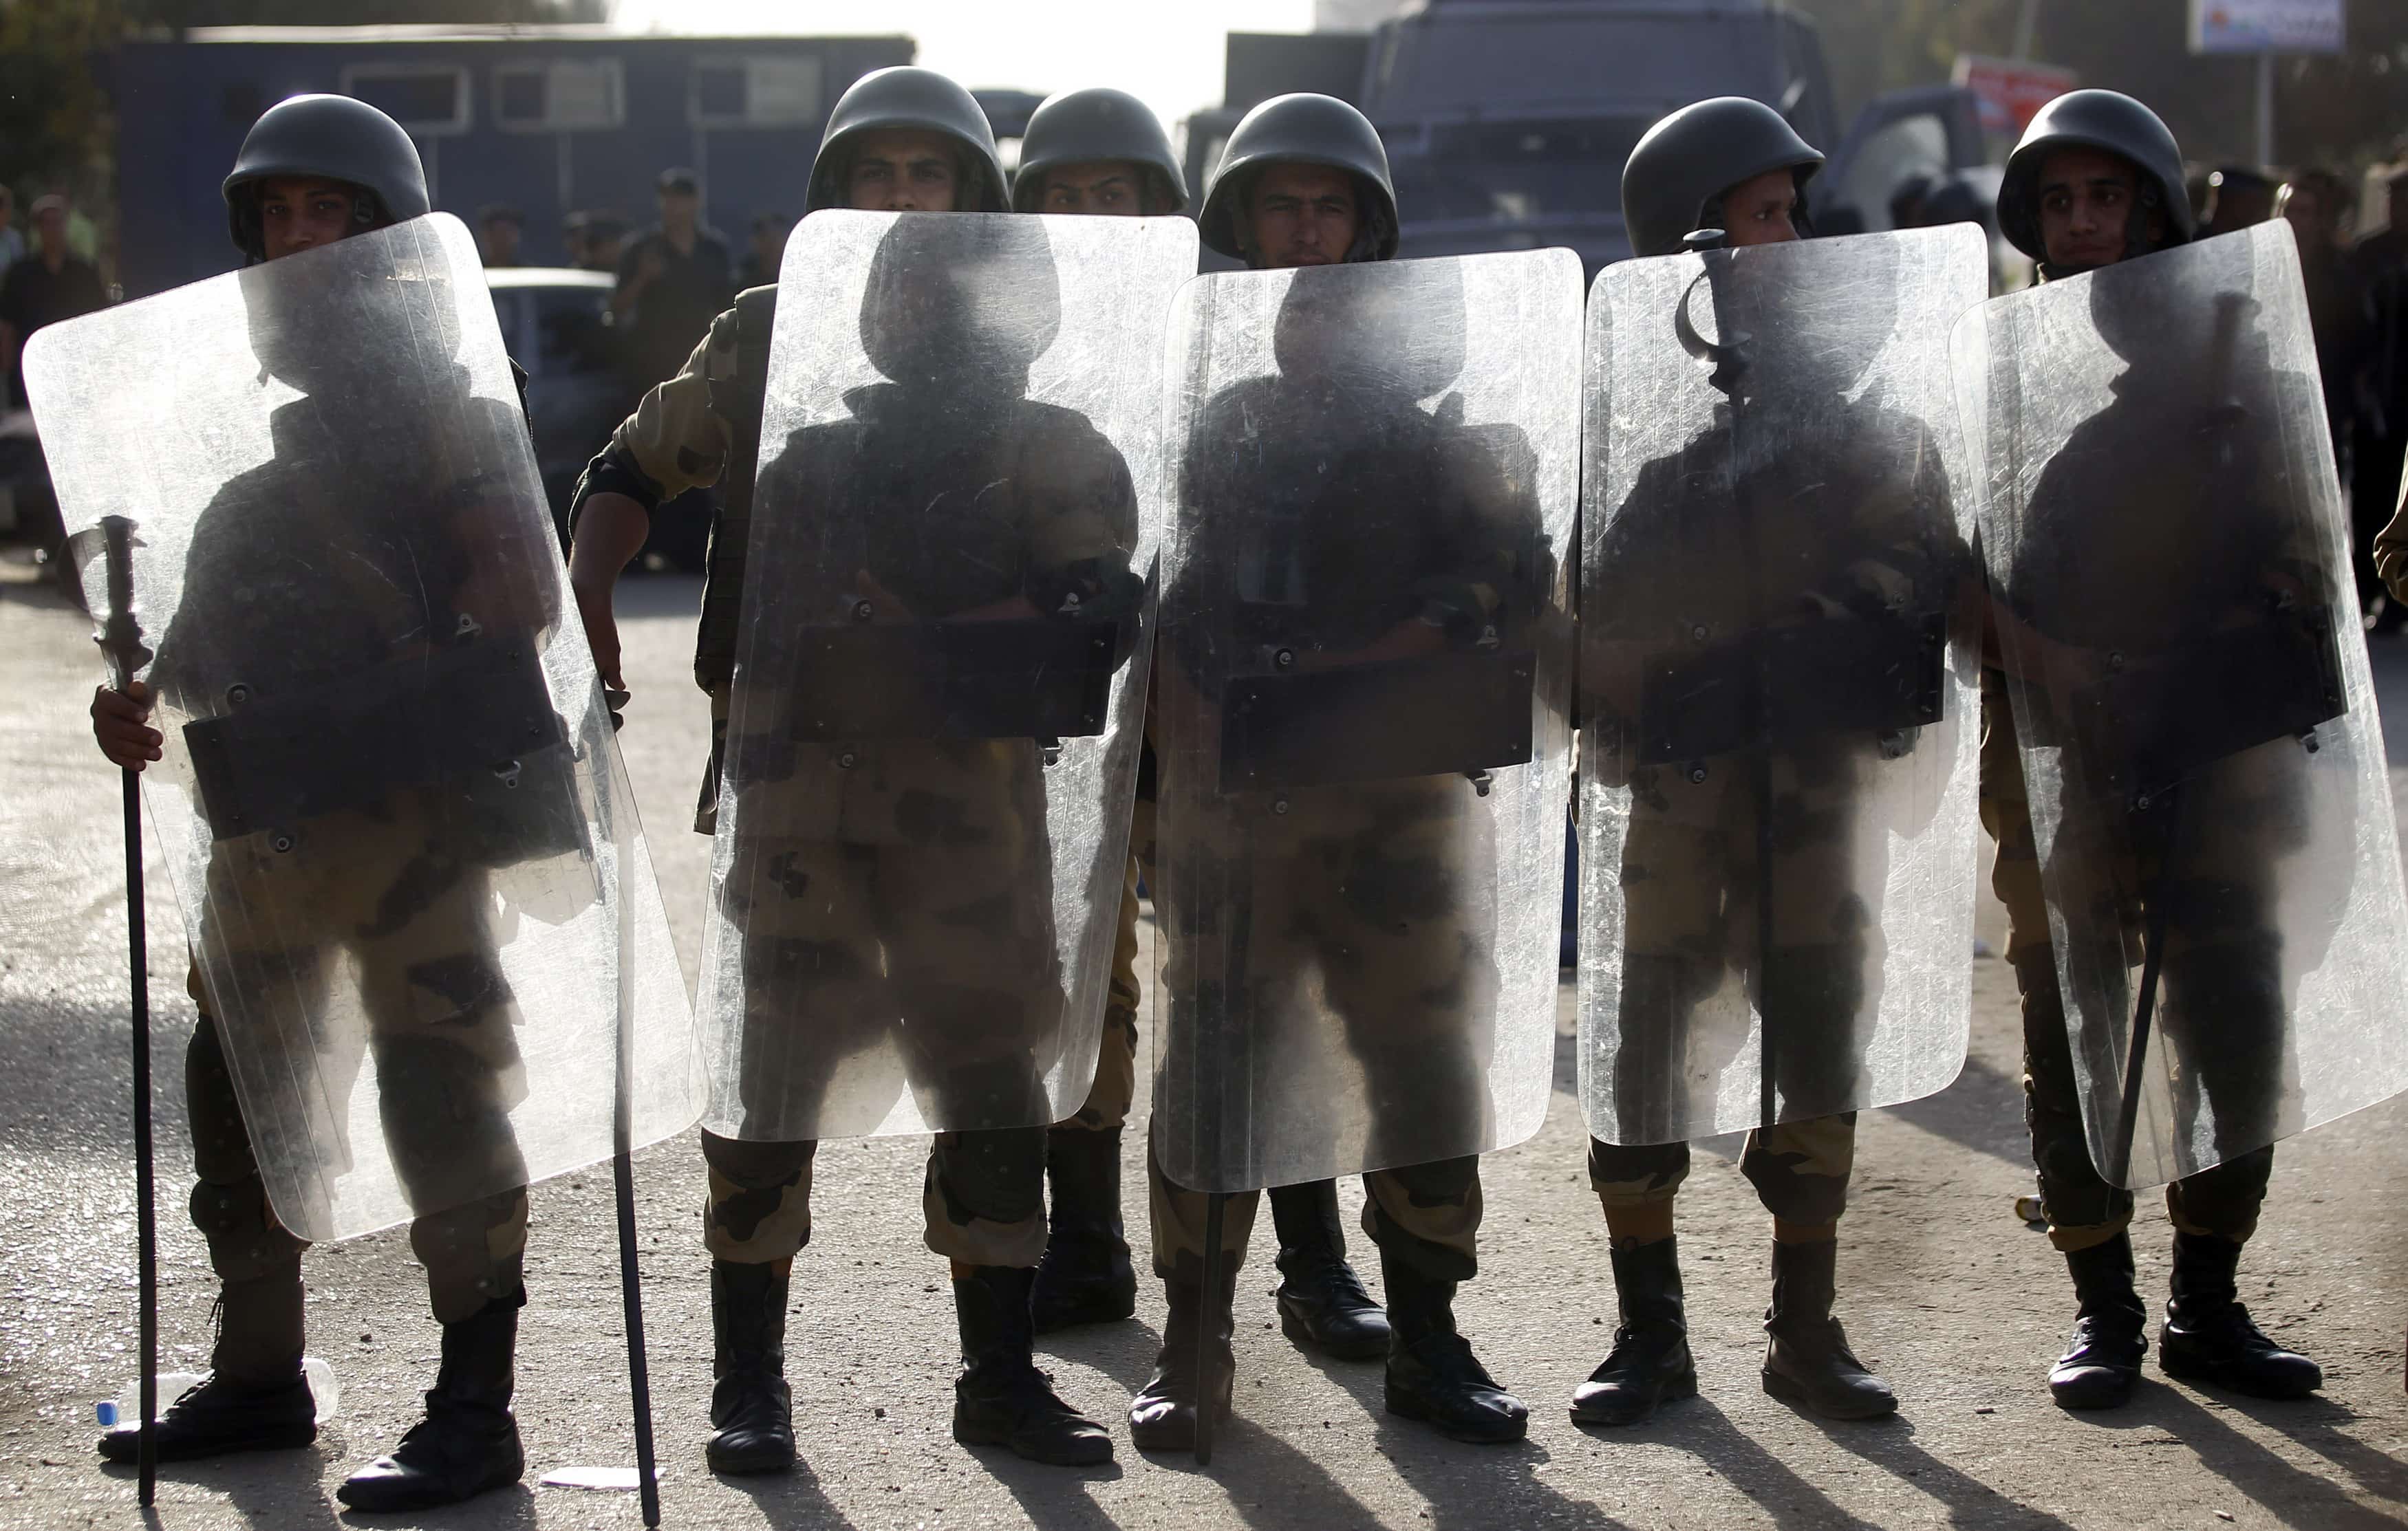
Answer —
(120, 724)
(601, 633)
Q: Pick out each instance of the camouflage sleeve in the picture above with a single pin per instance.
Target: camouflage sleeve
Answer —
(674, 441)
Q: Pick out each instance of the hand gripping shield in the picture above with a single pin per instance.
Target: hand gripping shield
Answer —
(2168, 556)
(1778, 835)
(391, 804)
(939, 688)
(1360, 714)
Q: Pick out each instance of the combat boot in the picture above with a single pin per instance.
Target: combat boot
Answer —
(1433, 1377)
(1161, 1417)
(468, 1443)
(1085, 1275)
(1321, 1300)
(1650, 1362)
(254, 1398)
(2208, 1335)
(2110, 1330)
(1806, 1358)
(751, 1410)
(1001, 1398)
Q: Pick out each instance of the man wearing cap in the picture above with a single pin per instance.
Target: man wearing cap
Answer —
(50, 283)
(900, 140)
(499, 226)
(1304, 181)
(1098, 152)
(2097, 179)
(672, 280)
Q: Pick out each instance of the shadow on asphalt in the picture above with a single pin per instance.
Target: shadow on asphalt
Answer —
(788, 1500)
(1698, 1427)
(1983, 1110)
(267, 1489)
(2291, 1497)
(1889, 1445)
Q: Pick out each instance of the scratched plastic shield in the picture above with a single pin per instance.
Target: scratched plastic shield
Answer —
(1778, 686)
(1361, 694)
(303, 499)
(939, 686)
(2164, 531)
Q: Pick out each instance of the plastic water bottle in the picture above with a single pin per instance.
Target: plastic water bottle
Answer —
(325, 1391)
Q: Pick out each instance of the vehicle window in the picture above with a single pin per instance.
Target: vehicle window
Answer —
(571, 336)
(1517, 171)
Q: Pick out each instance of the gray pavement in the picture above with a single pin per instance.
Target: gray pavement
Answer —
(1945, 1291)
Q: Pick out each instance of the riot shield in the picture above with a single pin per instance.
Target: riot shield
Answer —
(1778, 835)
(396, 819)
(939, 693)
(1360, 714)
(2169, 560)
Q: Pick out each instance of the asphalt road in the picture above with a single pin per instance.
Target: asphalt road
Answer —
(1950, 1296)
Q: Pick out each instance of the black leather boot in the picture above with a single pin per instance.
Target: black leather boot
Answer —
(1161, 1417)
(1433, 1377)
(2208, 1335)
(1001, 1398)
(1806, 1358)
(467, 1443)
(254, 1398)
(1321, 1300)
(751, 1410)
(1085, 1275)
(1650, 1361)
(2110, 1330)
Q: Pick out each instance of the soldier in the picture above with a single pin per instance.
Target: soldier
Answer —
(900, 140)
(2097, 179)
(1098, 152)
(405, 894)
(1304, 181)
(1706, 883)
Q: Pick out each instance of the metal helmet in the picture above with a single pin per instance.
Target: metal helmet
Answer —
(1082, 127)
(1303, 129)
(908, 96)
(2106, 120)
(338, 138)
(1692, 157)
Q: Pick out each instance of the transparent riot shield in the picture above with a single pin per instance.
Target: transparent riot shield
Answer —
(2169, 560)
(1778, 705)
(396, 822)
(1360, 715)
(939, 689)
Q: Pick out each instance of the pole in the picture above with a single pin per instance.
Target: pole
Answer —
(2265, 110)
(1208, 1386)
(2136, 1052)
(2025, 25)
(622, 1169)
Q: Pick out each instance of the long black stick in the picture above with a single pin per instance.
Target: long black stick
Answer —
(622, 1169)
(640, 1381)
(1207, 1385)
(2136, 1054)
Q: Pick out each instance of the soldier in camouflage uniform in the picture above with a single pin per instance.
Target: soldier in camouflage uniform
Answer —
(910, 140)
(401, 886)
(1356, 886)
(2097, 179)
(1842, 536)
(1098, 152)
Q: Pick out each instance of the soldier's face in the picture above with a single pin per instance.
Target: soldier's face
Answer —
(1762, 210)
(297, 214)
(903, 170)
(2087, 201)
(1301, 215)
(1113, 187)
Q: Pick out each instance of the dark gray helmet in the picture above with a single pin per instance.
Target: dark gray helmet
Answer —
(907, 96)
(1303, 129)
(1082, 127)
(2107, 120)
(332, 136)
(1692, 157)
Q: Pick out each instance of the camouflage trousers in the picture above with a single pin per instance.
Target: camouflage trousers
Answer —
(1799, 1169)
(1427, 1216)
(1108, 1103)
(472, 1253)
(2082, 1209)
(984, 1198)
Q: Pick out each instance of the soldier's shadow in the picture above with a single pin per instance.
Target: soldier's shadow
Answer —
(2291, 1495)
(266, 1489)
(1889, 1445)
(1696, 1427)
(792, 1498)
(1122, 1351)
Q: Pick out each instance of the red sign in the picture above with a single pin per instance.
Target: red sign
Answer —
(2010, 89)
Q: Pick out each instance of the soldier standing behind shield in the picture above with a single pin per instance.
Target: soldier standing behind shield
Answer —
(2097, 179)
(1098, 152)
(900, 140)
(1735, 165)
(315, 169)
(1304, 181)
